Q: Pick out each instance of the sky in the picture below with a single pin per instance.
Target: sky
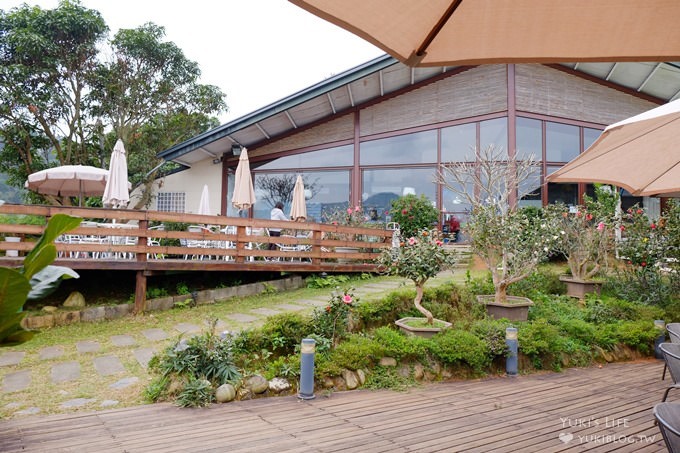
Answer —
(256, 51)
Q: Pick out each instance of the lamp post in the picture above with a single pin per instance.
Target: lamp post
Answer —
(512, 344)
(307, 351)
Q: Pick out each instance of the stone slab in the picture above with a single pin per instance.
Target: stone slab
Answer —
(289, 307)
(123, 340)
(107, 365)
(51, 352)
(219, 325)
(11, 358)
(29, 411)
(87, 346)
(124, 383)
(240, 317)
(78, 402)
(185, 327)
(16, 382)
(265, 311)
(66, 371)
(143, 355)
(312, 302)
(155, 334)
(108, 403)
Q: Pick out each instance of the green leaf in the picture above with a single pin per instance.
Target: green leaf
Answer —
(11, 330)
(48, 279)
(19, 337)
(14, 288)
(44, 251)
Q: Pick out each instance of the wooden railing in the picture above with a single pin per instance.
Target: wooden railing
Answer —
(130, 240)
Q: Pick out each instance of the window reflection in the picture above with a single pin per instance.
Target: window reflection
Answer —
(494, 132)
(417, 148)
(561, 192)
(531, 188)
(459, 142)
(381, 186)
(339, 156)
(529, 140)
(561, 141)
(589, 136)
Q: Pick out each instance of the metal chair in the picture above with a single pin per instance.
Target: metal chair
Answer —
(668, 417)
(671, 355)
(673, 330)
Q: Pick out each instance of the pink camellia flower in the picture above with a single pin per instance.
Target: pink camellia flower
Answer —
(643, 264)
(411, 241)
(589, 217)
(600, 226)
(404, 211)
(347, 299)
(387, 212)
(357, 208)
(639, 211)
(349, 210)
(579, 214)
(438, 242)
(652, 226)
(622, 228)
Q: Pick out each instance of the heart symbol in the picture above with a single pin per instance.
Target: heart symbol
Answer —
(566, 438)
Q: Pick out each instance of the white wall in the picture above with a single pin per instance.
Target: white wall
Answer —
(191, 182)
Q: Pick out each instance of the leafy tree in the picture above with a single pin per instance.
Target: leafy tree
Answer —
(280, 188)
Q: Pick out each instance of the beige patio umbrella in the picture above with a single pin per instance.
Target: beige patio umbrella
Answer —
(462, 32)
(117, 192)
(244, 195)
(204, 204)
(298, 208)
(640, 154)
(69, 181)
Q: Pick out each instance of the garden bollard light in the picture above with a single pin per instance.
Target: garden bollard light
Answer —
(307, 369)
(512, 344)
(661, 325)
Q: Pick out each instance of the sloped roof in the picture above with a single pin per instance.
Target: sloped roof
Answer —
(377, 78)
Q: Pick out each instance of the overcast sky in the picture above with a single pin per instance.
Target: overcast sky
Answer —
(256, 51)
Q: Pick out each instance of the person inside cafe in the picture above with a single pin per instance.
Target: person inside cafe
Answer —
(276, 214)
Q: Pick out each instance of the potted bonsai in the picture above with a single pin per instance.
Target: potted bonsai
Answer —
(511, 241)
(419, 258)
(586, 237)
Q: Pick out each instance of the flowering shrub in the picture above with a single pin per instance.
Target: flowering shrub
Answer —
(350, 216)
(418, 258)
(332, 321)
(413, 214)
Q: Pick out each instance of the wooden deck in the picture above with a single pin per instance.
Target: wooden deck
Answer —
(595, 409)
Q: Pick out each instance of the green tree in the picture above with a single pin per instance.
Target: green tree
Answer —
(413, 214)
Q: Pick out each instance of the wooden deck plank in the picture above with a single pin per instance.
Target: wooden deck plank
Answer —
(499, 415)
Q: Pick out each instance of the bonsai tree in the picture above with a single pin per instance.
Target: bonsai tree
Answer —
(510, 241)
(34, 280)
(418, 258)
(413, 214)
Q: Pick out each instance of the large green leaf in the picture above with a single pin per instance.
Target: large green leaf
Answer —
(44, 283)
(14, 288)
(44, 251)
(11, 332)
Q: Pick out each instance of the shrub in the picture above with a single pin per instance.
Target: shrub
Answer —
(492, 333)
(400, 346)
(413, 214)
(284, 332)
(639, 334)
(332, 320)
(541, 281)
(196, 393)
(580, 330)
(609, 310)
(356, 353)
(388, 378)
(455, 347)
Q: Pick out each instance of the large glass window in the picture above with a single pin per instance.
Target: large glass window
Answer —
(417, 148)
(381, 186)
(459, 143)
(529, 139)
(494, 132)
(566, 193)
(531, 188)
(589, 136)
(325, 190)
(339, 156)
(561, 141)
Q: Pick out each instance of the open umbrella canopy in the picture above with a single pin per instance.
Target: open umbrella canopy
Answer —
(244, 194)
(68, 181)
(461, 32)
(116, 193)
(204, 205)
(298, 208)
(640, 154)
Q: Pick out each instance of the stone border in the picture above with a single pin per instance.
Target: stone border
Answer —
(208, 296)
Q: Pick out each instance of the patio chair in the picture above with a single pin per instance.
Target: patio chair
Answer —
(671, 354)
(673, 330)
(668, 417)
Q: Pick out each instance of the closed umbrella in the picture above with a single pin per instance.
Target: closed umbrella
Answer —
(462, 32)
(298, 208)
(69, 181)
(116, 193)
(204, 205)
(244, 195)
(640, 154)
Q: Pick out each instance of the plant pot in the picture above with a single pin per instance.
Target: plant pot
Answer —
(346, 250)
(516, 309)
(579, 288)
(425, 332)
(12, 239)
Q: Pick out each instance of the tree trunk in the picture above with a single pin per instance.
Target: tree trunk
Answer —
(501, 295)
(423, 310)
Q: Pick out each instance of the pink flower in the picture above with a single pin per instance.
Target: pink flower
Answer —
(404, 211)
(347, 299)
(589, 217)
(387, 212)
(438, 242)
(622, 228)
(639, 211)
(578, 214)
(411, 241)
(652, 226)
(357, 208)
(643, 264)
(349, 210)
(600, 226)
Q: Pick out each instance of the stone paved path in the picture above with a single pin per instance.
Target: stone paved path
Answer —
(112, 366)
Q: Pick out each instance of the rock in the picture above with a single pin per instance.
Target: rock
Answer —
(339, 383)
(257, 384)
(278, 385)
(49, 309)
(362, 377)
(351, 380)
(418, 371)
(388, 361)
(328, 382)
(74, 300)
(404, 371)
(225, 393)
(244, 393)
(446, 373)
